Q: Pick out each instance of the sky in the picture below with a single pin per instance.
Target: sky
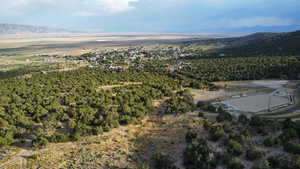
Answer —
(165, 16)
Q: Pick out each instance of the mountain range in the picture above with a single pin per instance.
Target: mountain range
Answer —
(23, 29)
(257, 44)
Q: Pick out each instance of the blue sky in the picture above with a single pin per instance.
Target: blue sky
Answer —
(178, 16)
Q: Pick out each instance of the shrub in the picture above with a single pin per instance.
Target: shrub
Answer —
(246, 133)
(210, 108)
(243, 119)
(235, 163)
(39, 142)
(292, 148)
(75, 136)
(163, 161)
(216, 132)
(296, 162)
(239, 137)
(257, 121)
(235, 147)
(199, 155)
(178, 105)
(200, 114)
(288, 123)
(222, 158)
(288, 135)
(98, 130)
(275, 161)
(145, 166)
(59, 137)
(254, 153)
(72, 123)
(263, 165)
(227, 127)
(190, 136)
(280, 161)
(225, 116)
(34, 156)
(207, 124)
(6, 137)
(201, 104)
(270, 142)
(220, 110)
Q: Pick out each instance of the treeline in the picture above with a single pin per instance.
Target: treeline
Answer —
(251, 68)
(18, 72)
(28, 69)
(263, 44)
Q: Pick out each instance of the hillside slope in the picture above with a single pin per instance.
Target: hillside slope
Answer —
(262, 44)
(258, 44)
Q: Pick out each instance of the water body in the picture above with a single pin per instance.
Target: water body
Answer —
(101, 40)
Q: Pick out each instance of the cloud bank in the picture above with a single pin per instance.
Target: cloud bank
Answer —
(112, 6)
(155, 15)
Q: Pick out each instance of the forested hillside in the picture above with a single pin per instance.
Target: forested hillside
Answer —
(250, 68)
(62, 106)
(273, 45)
(259, 44)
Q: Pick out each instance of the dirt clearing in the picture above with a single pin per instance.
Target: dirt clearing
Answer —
(110, 87)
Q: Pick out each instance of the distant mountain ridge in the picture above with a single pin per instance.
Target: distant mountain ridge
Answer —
(259, 44)
(19, 29)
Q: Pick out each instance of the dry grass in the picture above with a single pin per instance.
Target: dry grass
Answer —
(7, 153)
(204, 95)
(126, 146)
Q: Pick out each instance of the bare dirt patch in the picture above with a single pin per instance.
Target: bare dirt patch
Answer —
(109, 87)
(204, 95)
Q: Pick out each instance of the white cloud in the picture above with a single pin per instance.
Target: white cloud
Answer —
(91, 7)
(115, 5)
(25, 2)
(17, 7)
(96, 7)
(84, 13)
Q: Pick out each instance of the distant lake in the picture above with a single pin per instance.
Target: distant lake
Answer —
(101, 40)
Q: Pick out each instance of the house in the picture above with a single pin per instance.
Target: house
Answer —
(179, 66)
(222, 54)
(118, 68)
